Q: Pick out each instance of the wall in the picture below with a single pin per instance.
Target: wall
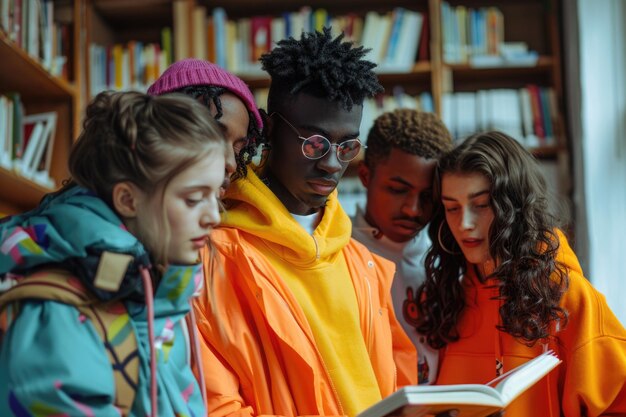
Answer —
(603, 100)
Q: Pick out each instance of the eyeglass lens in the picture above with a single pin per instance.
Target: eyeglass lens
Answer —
(316, 146)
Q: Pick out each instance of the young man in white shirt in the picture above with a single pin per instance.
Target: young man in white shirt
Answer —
(402, 151)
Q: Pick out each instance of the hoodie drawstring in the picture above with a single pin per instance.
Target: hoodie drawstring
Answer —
(147, 284)
(195, 350)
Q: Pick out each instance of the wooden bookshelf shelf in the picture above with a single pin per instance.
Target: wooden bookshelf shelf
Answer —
(38, 91)
(547, 152)
(544, 64)
(20, 72)
(420, 74)
(20, 192)
(124, 10)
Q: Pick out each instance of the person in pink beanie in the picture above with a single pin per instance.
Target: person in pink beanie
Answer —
(228, 98)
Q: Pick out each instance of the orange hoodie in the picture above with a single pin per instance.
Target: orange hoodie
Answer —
(259, 351)
(591, 381)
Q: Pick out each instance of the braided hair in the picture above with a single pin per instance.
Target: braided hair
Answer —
(211, 94)
(322, 67)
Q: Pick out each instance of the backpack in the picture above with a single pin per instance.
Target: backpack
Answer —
(60, 286)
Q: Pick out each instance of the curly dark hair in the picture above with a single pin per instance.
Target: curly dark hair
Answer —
(322, 67)
(211, 94)
(412, 131)
(522, 238)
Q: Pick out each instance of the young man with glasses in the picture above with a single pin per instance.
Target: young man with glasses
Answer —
(297, 319)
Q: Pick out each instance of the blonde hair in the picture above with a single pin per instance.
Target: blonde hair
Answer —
(145, 140)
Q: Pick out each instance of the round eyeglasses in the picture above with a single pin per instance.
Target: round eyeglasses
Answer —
(317, 146)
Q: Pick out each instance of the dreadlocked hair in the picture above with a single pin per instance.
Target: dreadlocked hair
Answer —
(211, 94)
(322, 67)
(414, 132)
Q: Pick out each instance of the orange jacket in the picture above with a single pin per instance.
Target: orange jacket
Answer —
(259, 354)
(591, 381)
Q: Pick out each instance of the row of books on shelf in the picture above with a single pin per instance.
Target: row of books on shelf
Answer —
(31, 25)
(394, 37)
(476, 37)
(529, 114)
(26, 141)
(131, 66)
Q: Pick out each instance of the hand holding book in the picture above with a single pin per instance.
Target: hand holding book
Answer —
(470, 400)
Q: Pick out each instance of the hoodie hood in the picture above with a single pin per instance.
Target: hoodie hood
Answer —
(72, 228)
(254, 209)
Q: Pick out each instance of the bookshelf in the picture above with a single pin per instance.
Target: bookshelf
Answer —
(536, 23)
(23, 73)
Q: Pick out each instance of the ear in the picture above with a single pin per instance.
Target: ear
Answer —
(364, 173)
(268, 124)
(126, 197)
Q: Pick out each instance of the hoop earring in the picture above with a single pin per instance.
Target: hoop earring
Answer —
(446, 250)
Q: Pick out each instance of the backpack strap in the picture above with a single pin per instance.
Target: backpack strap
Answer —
(110, 320)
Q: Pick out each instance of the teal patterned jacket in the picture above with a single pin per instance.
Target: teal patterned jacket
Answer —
(52, 361)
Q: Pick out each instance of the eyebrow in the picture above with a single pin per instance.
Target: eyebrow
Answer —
(192, 188)
(402, 181)
(471, 196)
(325, 133)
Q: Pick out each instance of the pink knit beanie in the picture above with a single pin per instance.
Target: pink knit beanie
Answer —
(191, 71)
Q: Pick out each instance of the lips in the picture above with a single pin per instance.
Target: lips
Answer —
(472, 242)
(199, 242)
(407, 224)
(323, 186)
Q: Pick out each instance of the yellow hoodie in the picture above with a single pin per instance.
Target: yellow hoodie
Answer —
(334, 305)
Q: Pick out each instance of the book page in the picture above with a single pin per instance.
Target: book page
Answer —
(524, 376)
(465, 410)
(472, 400)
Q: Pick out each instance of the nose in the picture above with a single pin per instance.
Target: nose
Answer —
(468, 222)
(330, 162)
(412, 206)
(211, 215)
(230, 161)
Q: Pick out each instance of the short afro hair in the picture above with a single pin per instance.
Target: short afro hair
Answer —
(322, 67)
(412, 131)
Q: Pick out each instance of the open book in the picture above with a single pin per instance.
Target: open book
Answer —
(471, 400)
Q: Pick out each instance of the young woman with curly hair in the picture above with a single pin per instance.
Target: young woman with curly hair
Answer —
(502, 285)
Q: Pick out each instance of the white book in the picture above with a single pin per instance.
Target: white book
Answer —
(4, 16)
(36, 136)
(44, 144)
(371, 35)
(471, 400)
(405, 52)
(530, 138)
(32, 27)
(466, 114)
(505, 113)
(9, 129)
(5, 148)
(278, 30)
(448, 113)
(483, 110)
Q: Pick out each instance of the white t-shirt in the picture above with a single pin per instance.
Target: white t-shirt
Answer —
(310, 221)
